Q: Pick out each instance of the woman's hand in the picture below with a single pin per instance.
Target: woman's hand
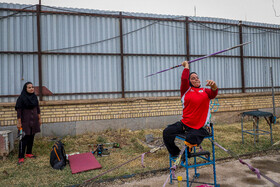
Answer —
(186, 64)
(40, 121)
(19, 124)
(212, 84)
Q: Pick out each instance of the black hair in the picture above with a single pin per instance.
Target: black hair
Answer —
(26, 100)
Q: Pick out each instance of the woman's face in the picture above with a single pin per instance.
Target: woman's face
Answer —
(30, 88)
(195, 80)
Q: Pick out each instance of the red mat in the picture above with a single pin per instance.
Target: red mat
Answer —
(83, 162)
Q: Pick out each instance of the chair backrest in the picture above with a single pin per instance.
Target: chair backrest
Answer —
(214, 105)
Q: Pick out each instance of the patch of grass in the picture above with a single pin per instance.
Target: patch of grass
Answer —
(38, 172)
(101, 139)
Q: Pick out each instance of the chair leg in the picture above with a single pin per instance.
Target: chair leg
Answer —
(170, 165)
(196, 165)
(214, 158)
(187, 168)
(196, 175)
(214, 163)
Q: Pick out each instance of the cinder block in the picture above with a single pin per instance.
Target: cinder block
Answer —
(6, 143)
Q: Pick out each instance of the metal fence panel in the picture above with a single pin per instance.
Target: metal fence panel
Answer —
(224, 71)
(154, 37)
(258, 74)
(149, 45)
(18, 32)
(15, 71)
(136, 68)
(208, 38)
(79, 34)
(81, 74)
(265, 42)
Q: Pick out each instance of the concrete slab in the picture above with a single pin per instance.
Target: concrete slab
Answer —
(229, 174)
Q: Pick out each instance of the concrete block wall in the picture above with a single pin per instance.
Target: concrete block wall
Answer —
(84, 110)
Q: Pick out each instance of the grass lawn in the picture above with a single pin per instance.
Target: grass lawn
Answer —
(38, 172)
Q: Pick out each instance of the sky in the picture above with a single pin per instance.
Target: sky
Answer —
(262, 11)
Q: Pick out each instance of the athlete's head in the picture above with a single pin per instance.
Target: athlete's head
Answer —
(194, 80)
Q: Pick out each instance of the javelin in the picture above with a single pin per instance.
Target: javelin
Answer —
(206, 56)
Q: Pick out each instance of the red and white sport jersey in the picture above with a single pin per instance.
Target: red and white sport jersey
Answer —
(196, 101)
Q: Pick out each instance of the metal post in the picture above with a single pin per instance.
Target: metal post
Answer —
(194, 160)
(273, 103)
(241, 57)
(213, 157)
(242, 128)
(187, 39)
(254, 130)
(170, 164)
(257, 128)
(121, 54)
(187, 171)
(272, 89)
(270, 128)
(39, 53)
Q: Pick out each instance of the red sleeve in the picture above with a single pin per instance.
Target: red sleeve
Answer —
(185, 84)
(211, 94)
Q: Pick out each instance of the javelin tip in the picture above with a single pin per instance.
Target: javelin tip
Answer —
(247, 43)
(244, 43)
(238, 46)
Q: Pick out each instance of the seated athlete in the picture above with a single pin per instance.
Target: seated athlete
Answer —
(196, 112)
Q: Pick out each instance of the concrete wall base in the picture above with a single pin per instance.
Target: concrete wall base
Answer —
(81, 127)
(62, 129)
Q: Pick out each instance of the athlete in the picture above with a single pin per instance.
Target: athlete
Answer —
(196, 112)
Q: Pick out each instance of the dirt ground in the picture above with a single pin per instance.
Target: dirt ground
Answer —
(229, 174)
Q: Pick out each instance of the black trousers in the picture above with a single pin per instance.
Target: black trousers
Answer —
(26, 143)
(193, 136)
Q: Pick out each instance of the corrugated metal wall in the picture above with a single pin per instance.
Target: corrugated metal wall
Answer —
(79, 34)
(81, 73)
(155, 37)
(15, 71)
(266, 43)
(88, 63)
(208, 38)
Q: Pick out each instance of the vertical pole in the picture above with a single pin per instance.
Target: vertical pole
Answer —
(254, 129)
(257, 129)
(242, 128)
(187, 39)
(272, 87)
(271, 139)
(121, 54)
(213, 157)
(241, 57)
(170, 172)
(195, 167)
(39, 53)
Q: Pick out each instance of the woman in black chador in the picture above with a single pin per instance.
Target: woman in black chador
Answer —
(29, 120)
